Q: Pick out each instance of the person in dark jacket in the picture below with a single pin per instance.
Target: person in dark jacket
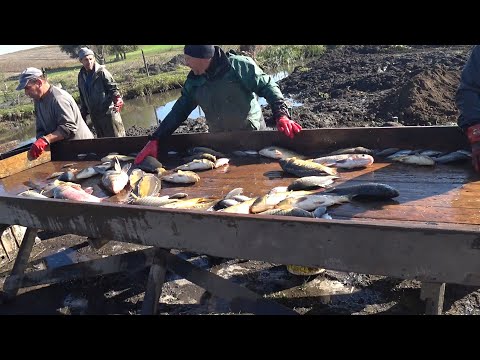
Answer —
(468, 103)
(225, 86)
(99, 96)
(57, 114)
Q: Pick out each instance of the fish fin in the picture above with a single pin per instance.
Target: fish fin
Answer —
(118, 168)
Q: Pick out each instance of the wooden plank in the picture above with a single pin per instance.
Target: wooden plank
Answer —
(155, 281)
(431, 252)
(241, 298)
(14, 280)
(129, 262)
(22, 161)
(379, 211)
(444, 138)
(433, 294)
(9, 243)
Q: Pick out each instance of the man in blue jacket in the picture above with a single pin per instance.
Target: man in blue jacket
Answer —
(468, 102)
(224, 85)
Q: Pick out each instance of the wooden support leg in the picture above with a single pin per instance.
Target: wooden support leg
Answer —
(433, 294)
(156, 279)
(14, 280)
(98, 243)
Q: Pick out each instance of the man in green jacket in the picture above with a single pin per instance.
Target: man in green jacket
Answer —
(99, 96)
(224, 85)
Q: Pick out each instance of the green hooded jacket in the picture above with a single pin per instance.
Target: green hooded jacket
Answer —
(227, 95)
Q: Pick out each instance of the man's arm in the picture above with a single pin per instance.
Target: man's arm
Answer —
(255, 80)
(65, 117)
(179, 113)
(262, 84)
(111, 87)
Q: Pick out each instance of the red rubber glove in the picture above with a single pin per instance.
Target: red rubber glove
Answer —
(151, 149)
(38, 147)
(288, 127)
(118, 103)
(473, 134)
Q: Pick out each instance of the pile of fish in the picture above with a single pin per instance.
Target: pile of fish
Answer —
(310, 195)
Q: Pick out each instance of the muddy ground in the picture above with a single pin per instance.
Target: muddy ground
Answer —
(349, 86)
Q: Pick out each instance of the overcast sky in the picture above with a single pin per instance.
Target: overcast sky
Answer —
(5, 49)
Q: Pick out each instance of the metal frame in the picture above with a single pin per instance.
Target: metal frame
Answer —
(433, 253)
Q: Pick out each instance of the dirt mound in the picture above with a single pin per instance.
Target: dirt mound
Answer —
(426, 99)
(372, 85)
(170, 65)
(190, 125)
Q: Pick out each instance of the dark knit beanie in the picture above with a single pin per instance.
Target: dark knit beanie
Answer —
(199, 51)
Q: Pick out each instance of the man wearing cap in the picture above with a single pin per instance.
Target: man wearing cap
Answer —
(224, 85)
(99, 96)
(57, 114)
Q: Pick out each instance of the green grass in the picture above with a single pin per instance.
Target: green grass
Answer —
(148, 50)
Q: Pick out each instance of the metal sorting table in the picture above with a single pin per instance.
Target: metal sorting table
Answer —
(428, 233)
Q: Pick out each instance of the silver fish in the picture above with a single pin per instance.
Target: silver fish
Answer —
(201, 149)
(415, 160)
(267, 202)
(112, 157)
(454, 157)
(182, 177)
(225, 203)
(70, 193)
(199, 156)
(311, 202)
(319, 211)
(34, 194)
(197, 165)
(366, 190)
(276, 152)
(232, 193)
(302, 168)
(386, 152)
(400, 153)
(221, 162)
(67, 176)
(116, 180)
(311, 182)
(86, 173)
(152, 200)
(355, 150)
(149, 185)
(151, 165)
(288, 212)
(355, 161)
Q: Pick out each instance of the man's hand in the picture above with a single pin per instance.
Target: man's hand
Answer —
(288, 127)
(118, 103)
(38, 147)
(151, 149)
(473, 134)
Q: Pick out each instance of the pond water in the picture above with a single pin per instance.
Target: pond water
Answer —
(149, 110)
